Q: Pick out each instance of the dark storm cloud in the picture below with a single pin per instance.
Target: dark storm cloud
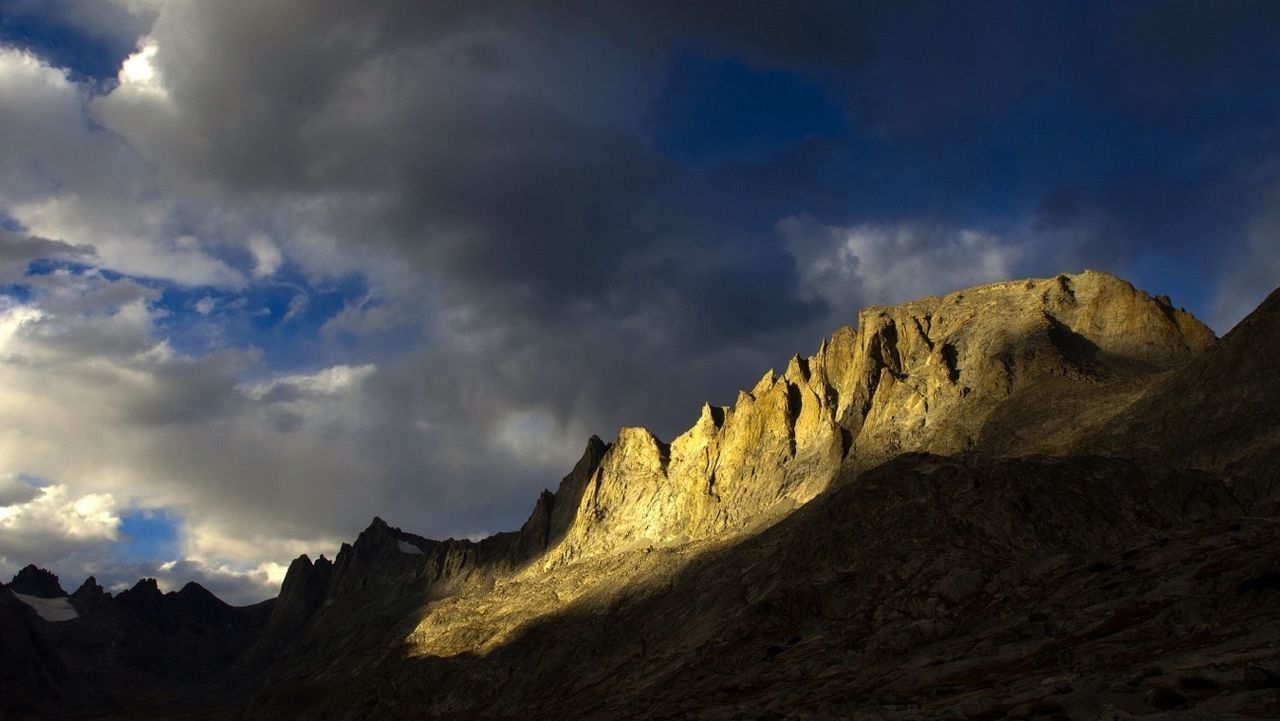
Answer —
(258, 78)
(512, 154)
(1135, 137)
(14, 490)
(585, 215)
(478, 143)
(459, 136)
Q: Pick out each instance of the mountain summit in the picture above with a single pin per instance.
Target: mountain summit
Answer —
(1050, 497)
(1007, 367)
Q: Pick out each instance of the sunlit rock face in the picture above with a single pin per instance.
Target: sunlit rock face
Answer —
(1007, 369)
(929, 375)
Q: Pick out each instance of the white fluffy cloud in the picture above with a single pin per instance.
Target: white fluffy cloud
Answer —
(879, 264)
(267, 257)
(56, 523)
(67, 179)
(73, 536)
(91, 395)
(259, 465)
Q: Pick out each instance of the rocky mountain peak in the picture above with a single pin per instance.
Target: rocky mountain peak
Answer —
(144, 588)
(35, 581)
(378, 528)
(301, 595)
(993, 367)
(193, 592)
(90, 595)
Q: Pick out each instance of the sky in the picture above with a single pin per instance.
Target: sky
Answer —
(269, 268)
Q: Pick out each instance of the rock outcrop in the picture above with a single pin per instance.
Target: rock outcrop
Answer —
(927, 587)
(301, 595)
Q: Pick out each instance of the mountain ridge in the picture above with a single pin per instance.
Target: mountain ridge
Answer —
(1081, 381)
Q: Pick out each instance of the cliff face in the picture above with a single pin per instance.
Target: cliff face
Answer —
(382, 579)
(973, 369)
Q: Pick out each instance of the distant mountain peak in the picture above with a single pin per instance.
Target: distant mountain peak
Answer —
(35, 581)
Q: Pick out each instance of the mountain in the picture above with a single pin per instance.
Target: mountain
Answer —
(1045, 498)
(36, 582)
(1219, 413)
(139, 649)
(30, 668)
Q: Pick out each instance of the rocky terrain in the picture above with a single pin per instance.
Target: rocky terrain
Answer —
(1050, 498)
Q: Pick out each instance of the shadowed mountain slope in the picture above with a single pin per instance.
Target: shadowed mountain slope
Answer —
(1040, 498)
(1221, 412)
(969, 586)
(140, 650)
(927, 587)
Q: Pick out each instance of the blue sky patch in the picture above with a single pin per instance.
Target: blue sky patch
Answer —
(148, 534)
(10, 223)
(714, 108)
(282, 316)
(37, 28)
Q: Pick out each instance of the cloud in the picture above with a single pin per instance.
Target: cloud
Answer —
(297, 306)
(267, 258)
(206, 305)
(18, 251)
(298, 264)
(14, 490)
(237, 586)
(89, 37)
(56, 523)
(366, 316)
(66, 179)
(885, 264)
(94, 397)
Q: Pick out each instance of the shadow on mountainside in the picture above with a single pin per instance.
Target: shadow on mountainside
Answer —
(1131, 568)
(936, 583)
(970, 587)
(1221, 412)
(963, 587)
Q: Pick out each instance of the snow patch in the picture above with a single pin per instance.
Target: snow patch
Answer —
(50, 609)
(407, 547)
